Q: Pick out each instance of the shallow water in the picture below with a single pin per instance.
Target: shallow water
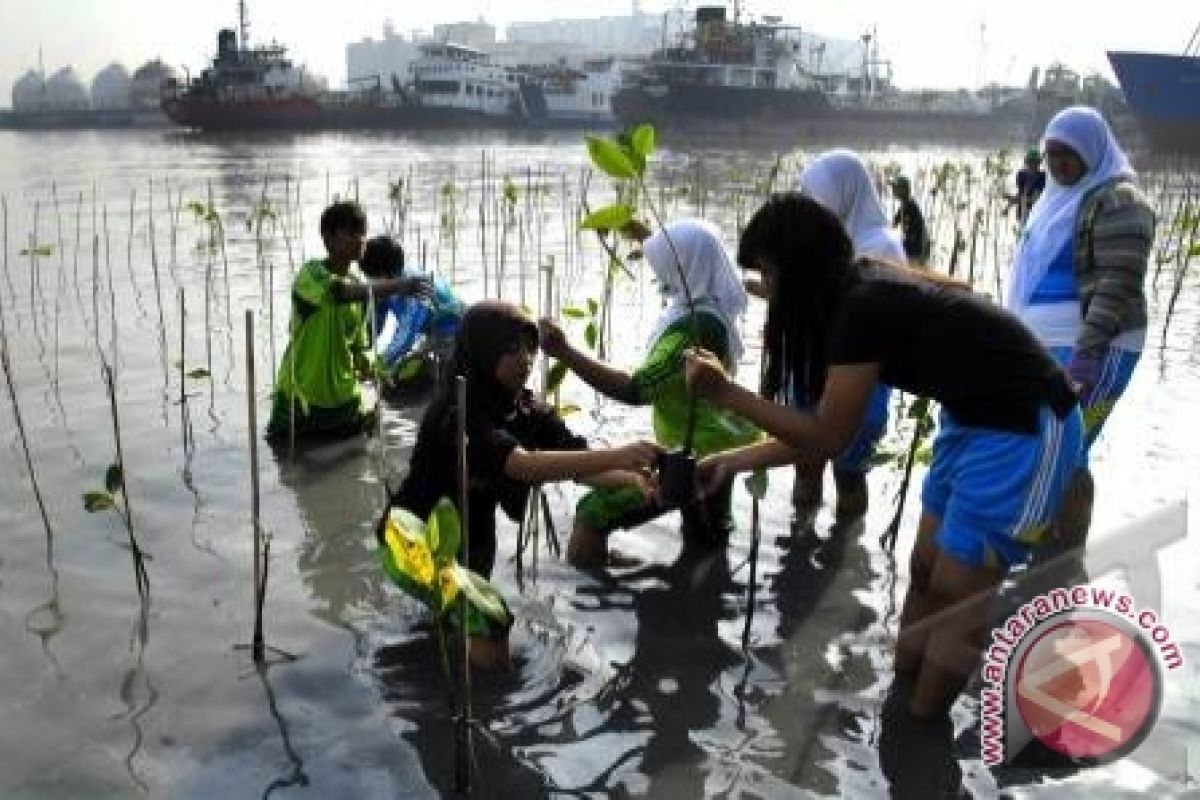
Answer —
(631, 685)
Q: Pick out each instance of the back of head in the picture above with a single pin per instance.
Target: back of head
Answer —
(812, 261)
(344, 215)
(1084, 130)
(703, 260)
(383, 257)
(839, 180)
(489, 330)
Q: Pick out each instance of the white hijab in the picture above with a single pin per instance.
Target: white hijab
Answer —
(1051, 223)
(839, 180)
(710, 274)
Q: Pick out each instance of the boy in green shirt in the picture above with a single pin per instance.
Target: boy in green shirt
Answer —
(316, 389)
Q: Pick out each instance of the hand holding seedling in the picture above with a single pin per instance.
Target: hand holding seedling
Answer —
(706, 375)
(553, 340)
(637, 456)
(711, 474)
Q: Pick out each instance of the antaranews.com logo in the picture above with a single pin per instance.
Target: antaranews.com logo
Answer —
(1078, 671)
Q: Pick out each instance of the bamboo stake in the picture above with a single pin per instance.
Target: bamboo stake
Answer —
(260, 584)
(463, 758)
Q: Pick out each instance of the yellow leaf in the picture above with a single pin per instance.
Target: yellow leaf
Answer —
(448, 583)
(411, 554)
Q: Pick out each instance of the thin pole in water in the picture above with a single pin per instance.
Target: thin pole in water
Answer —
(462, 766)
(256, 646)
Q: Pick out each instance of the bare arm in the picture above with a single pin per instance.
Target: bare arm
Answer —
(822, 435)
(605, 379)
(546, 466)
(345, 291)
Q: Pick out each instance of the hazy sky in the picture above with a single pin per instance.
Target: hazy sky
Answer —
(930, 43)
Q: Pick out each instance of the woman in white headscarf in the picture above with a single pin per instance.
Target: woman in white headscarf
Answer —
(839, 181)
(693, 247)
(1078, 279)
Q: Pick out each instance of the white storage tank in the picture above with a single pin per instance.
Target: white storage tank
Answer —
(110, 87)
(146, 88)
(29, 91)
(64, 91)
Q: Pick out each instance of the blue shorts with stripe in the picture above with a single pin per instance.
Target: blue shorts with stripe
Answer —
(997, 491)
(1116, 370)
(857, 455)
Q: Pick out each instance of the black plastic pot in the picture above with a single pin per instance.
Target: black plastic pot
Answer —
(677, 477)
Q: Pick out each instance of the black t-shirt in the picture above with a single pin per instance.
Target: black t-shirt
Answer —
(433, 468)
(973, 357)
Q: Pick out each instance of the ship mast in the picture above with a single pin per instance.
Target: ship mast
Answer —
(243, 25)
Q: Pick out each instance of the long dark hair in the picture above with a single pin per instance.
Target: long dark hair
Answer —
(813, 262)
(490, 329)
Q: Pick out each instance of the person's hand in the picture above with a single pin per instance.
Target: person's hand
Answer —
(553, 340)
(705, 373)
(711, 474)
(421, 288)
(637, 456)
(646, 483)
(1084, 372)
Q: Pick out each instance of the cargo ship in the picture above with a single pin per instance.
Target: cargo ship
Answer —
(449, 86)
(730, 76)
(1162, 92)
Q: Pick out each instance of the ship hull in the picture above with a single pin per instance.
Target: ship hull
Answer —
(1163, 93)
(309, 114)
(776, 112)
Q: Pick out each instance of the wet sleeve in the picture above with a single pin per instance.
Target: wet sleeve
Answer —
(664, 363)
(313, 285)
(1122, 238)
(553, 434)
(488, 448)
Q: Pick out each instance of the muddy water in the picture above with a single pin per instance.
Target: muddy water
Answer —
(637, 684)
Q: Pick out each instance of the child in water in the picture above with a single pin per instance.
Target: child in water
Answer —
(410, 330)
(514, 442)
(317, 393)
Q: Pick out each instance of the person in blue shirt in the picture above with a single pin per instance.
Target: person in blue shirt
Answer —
(411, 332)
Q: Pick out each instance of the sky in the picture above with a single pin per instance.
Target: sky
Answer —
(931, 43)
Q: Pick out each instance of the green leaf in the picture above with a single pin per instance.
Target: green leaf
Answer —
(114, 481)
(98, 501)
(609, 218)
(590, 334)
(481, 594)
(444, 532)
(919, 408)
(409, 368)
(756, 484)
(198, 373)
(554, 377)
(1194, 251)
(510, 191)
(924, 455)
(39, 250)
(593, 306)
(573, 312)
(567, 409)
(609, 158)
(881, 457)
(643, 140)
